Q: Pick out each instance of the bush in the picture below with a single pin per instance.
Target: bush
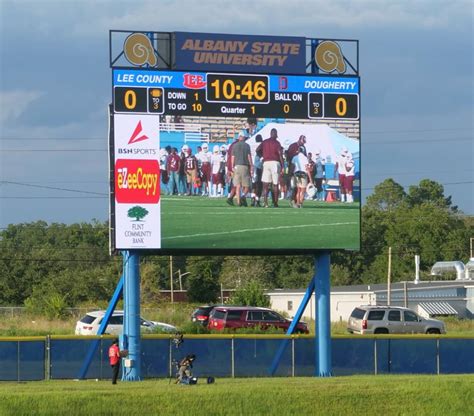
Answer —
(250, 294)
(52, 305)
(193, 328)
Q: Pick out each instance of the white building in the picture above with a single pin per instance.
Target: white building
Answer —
(436, 298)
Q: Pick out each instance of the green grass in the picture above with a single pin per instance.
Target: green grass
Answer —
(364, 395)
(201, 222)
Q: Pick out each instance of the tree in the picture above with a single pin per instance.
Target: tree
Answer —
(238, 270)
(428, 191)
(292, 271)
(387, 196)
(137, 212)
(203, 278)
(251, 294)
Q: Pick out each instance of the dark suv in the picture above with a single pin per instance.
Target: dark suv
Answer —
(235, 317)
(201, 314)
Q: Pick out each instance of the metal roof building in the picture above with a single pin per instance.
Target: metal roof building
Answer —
(435, 298)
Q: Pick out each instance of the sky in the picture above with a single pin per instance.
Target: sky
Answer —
(416, 68)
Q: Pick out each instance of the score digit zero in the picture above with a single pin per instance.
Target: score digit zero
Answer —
(330, 105)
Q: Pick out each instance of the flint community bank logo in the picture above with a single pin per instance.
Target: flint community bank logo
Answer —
(137, 213)
(139, 50)
(329, 58)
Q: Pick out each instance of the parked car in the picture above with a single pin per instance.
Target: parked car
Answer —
(201, 314)
(89, 324)
(247, 316)
(391, 320)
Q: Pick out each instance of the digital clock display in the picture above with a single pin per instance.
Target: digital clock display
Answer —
(233, 88)
(176, 93)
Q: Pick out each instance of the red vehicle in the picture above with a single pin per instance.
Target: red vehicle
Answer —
(235, 317)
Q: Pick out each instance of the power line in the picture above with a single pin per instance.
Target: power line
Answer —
(417, 131)
(404, 131)
(446, 140)
(102, 195)
(363, 142)
(53, 197)
(52, 150)
(52, 187)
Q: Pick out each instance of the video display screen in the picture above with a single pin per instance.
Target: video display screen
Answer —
(219, 162)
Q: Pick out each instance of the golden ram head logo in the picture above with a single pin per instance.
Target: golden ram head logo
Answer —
(139, 50)
(329, 57)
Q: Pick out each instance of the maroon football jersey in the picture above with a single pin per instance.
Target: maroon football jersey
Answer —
(190, 162)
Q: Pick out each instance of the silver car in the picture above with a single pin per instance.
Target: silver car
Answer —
(391, 320)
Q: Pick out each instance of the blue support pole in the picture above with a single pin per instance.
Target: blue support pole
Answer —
(291, 328)
(323, 315)
(131, 328)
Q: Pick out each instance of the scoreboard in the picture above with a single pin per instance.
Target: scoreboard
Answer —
(180, 101)
(235, 95)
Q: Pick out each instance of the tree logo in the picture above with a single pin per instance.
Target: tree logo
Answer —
(137, 212)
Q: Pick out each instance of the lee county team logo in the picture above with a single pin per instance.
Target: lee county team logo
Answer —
(138, 50)
(194, 81)
(329, 57)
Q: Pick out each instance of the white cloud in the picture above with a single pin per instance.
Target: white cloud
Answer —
(297, 17)
(14, 103)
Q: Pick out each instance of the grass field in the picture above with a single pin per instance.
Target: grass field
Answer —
(202, 222)
(357, 395)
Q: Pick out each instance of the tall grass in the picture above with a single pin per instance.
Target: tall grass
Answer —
(177, 314)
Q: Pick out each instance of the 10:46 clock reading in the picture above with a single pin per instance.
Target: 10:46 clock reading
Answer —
(233, 88)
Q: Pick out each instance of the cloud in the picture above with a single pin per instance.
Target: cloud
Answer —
(14, 103)
(308, 17)
(279, 17)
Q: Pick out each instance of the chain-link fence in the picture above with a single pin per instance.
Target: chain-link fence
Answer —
(60, 357)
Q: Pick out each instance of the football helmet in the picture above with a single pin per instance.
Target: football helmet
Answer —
(311, 190)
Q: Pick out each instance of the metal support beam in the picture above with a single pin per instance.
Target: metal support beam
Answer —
(131, 327)
(103, 325)
(291, 329)
(323, 315)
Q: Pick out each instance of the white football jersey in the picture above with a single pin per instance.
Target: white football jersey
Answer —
(341, 164)
(216, 163)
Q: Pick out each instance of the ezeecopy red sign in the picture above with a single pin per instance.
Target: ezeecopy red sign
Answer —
(137, 181)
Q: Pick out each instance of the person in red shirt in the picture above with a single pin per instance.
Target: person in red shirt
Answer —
(272, 153)
(114, 359)
(173, 165)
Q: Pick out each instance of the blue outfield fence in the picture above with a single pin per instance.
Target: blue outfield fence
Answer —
(56, 357)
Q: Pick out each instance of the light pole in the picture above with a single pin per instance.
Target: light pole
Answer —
(180, 275)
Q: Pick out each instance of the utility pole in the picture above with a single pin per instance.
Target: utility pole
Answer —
(405, 294)
(171, 278)
(389, 276)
